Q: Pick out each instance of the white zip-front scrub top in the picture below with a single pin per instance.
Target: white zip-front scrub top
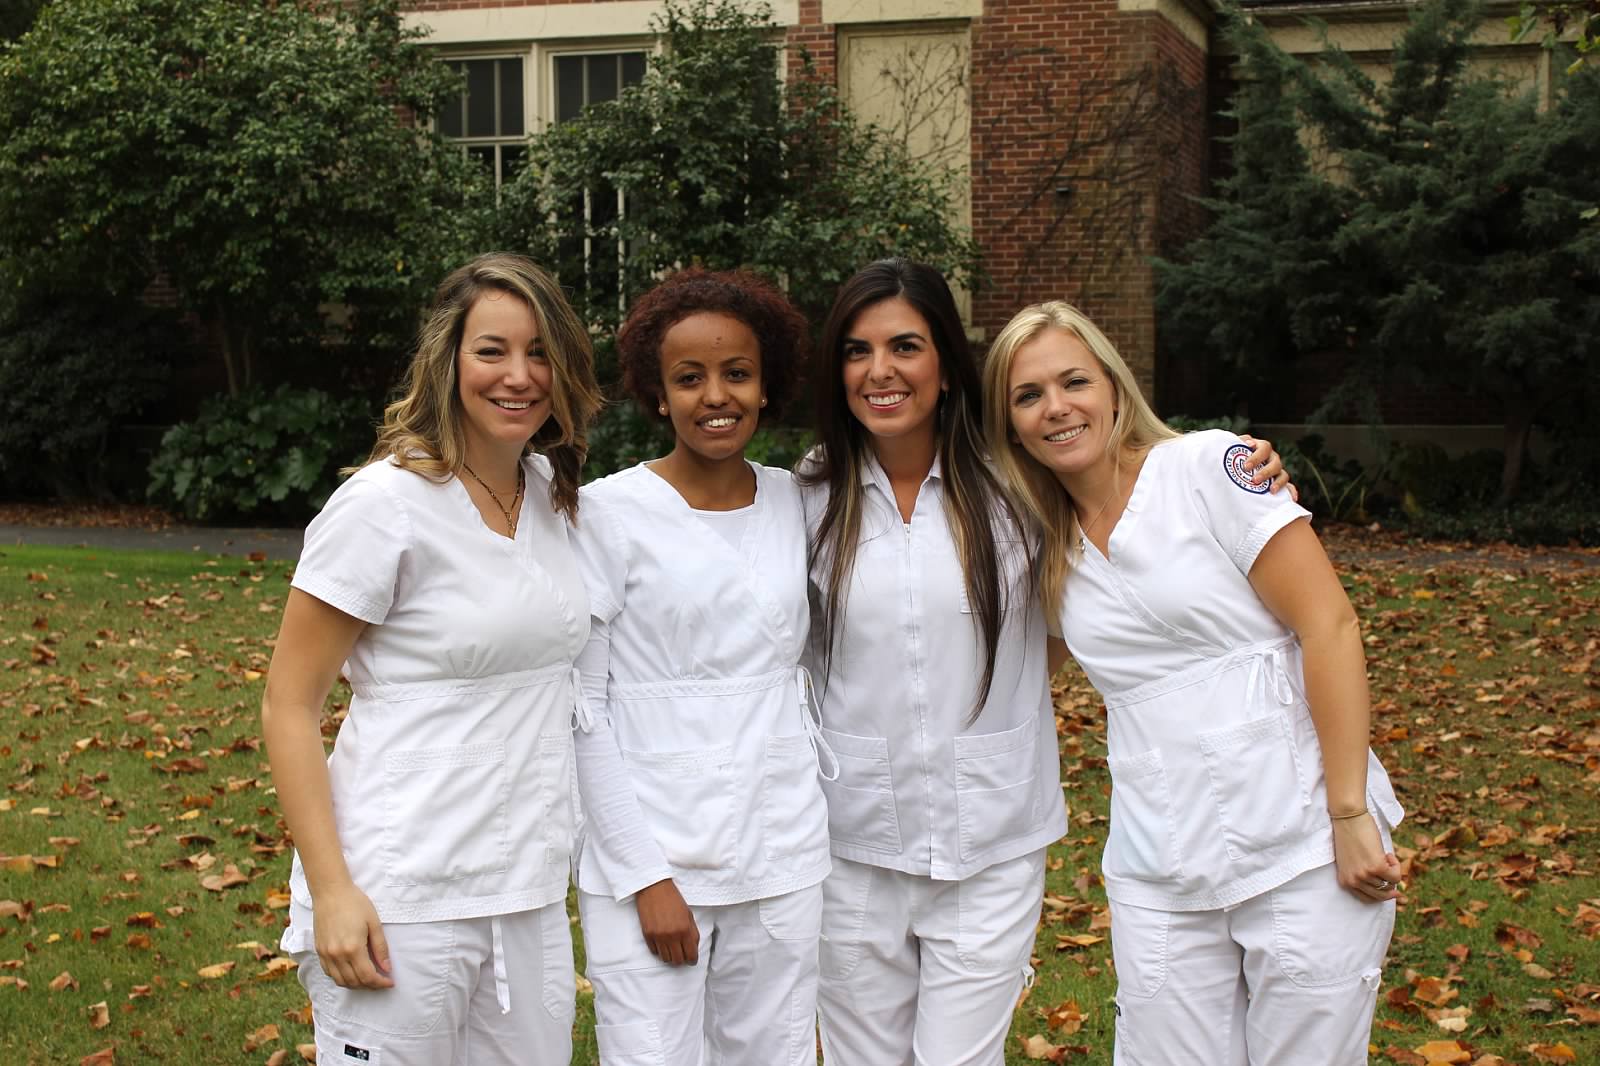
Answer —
(923, 786)
(700, 761)
(1217, 782)
(452, 775)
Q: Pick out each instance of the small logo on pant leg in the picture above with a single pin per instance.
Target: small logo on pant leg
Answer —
(360, 1054)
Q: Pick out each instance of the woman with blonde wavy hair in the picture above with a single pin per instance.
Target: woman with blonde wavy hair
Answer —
(432, 848)
(1248, 862)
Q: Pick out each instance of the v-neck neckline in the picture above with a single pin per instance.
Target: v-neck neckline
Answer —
(522, 506)
(1127, 519)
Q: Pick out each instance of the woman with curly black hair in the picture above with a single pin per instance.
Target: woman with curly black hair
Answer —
(706, 838)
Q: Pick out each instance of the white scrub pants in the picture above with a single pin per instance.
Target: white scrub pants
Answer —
(922, 971)
(452, 983)
(749, 999)
(1287, 977)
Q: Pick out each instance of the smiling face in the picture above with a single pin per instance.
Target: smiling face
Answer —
(892, 375)
(711, 384)
(1062, 404)
(503, 378)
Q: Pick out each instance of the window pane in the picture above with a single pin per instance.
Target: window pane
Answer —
(484, 154)
(449, 117)
(510, 98)
(632, 68)
(480, 98)
(602, 78)
(569, 87)
(512, 156)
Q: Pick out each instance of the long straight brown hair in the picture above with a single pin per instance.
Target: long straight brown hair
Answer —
(973, 499)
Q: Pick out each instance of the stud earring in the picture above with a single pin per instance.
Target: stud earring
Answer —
(763, 401)
(663, 410)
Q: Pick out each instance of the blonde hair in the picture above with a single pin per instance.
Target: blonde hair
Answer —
(1035, 489)
(422, 430)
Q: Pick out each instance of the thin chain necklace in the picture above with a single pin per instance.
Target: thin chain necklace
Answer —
(511, 525)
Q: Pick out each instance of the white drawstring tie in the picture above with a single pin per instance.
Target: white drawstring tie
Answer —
(502, 988)
(812, 717)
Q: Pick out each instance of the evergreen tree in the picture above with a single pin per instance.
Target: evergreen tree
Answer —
(1464, 242)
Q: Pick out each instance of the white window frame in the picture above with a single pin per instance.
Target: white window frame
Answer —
(528, 55)
(546, 54)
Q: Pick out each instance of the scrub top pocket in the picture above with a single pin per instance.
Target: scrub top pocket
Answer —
(471, 783)
(861, 806)
(1143, 842)
(794, 821)
(670, 782)
(1246, 763)
(996, 797)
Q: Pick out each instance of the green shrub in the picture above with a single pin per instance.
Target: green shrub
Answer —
(623, 437)
(1189, 424)
(259, 455)
(1330, 488)
(1427, 478)
(73, 371)
(1552, 519)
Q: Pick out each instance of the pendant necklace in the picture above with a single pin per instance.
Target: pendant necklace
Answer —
(511, 526)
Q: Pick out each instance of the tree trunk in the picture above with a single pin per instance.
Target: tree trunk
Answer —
(1519, 423)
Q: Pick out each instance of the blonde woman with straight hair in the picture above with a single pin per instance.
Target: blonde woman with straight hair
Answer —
(1248, 863)
(427, 899)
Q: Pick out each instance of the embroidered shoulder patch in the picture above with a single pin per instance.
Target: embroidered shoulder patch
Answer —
(1236, 461)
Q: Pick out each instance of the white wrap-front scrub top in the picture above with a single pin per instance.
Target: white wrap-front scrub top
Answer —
(452, 774)
(1217, 780)
(699, 761)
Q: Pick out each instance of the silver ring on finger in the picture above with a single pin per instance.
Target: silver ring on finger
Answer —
(1384, 884)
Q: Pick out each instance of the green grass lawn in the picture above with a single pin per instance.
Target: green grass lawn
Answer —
(142, 888)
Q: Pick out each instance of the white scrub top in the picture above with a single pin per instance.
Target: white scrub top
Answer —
(1217, 782)
(452, 774)
(923, 786)
(699, 761)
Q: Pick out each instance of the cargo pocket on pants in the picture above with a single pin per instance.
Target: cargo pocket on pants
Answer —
(1323, 935)
(559, 979)
(634, 1044)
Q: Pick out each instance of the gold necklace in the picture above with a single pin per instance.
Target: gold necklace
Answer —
(511, 526)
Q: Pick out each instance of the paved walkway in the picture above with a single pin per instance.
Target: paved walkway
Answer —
(275, 544)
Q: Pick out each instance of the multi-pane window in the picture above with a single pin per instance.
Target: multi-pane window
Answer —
(581, 80)
(488, 117)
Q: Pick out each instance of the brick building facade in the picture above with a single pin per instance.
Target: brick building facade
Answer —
(1085, 127)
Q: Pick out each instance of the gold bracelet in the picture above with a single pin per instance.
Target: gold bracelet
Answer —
(1346, 817)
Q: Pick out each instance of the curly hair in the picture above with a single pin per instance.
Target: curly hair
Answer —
(422, 429)
(780, 329)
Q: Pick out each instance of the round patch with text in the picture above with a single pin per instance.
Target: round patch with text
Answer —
(1236, 461)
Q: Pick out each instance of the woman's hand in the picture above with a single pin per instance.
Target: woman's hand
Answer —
(668, 924)
(350, 940)
(1268, 465)
(1364, 867)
